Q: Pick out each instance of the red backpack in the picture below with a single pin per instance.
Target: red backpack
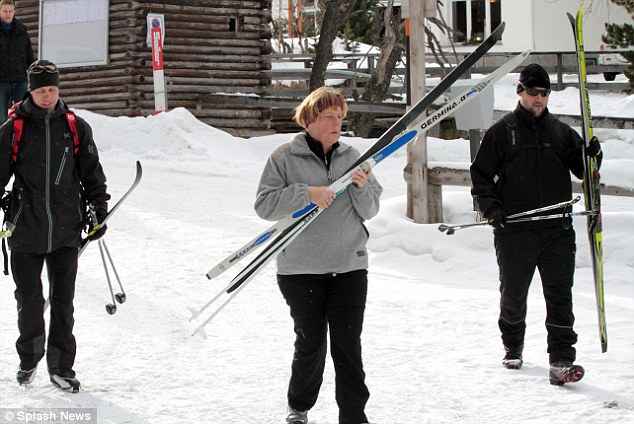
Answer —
(18, 127)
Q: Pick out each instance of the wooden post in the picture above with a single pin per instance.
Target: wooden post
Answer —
(291, 33)
(487, 18)
(560, 76)
(418, 196)
(469, 34)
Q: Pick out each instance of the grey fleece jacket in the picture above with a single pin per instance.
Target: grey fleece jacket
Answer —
(335, 241)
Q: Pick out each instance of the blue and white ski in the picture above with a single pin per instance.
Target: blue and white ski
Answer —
(415, 113)
(287, 235)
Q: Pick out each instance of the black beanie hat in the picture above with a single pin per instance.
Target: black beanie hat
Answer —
(42, 73)
(534, 75)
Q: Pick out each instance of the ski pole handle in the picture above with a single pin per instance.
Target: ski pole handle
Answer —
(450, 229)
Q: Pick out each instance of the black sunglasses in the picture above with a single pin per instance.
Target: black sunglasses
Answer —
(38, 68)
(533, 92)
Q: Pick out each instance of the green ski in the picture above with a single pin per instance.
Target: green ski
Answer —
(591, 180)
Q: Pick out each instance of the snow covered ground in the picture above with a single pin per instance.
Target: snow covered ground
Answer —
(431, 344)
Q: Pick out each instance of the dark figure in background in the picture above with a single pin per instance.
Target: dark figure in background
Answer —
(16, 54)
(56, 175)
(323, 273)
(524, 163)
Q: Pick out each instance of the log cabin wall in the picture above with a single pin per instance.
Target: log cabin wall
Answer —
(211, 47)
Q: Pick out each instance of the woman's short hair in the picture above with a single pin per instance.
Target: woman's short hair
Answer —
(7, 3)
(318, 101)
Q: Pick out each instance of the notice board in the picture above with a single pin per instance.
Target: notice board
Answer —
(74, 32)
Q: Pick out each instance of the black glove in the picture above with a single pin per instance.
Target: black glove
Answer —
(496, 217)
(594, 147)
(95, 218)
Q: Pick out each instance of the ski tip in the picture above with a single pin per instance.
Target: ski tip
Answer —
(200, 331)
(139, 168)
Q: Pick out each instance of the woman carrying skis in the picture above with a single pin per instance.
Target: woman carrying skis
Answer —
(323, 273)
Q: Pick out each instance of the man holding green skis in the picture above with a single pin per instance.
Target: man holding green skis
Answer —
(524, 163)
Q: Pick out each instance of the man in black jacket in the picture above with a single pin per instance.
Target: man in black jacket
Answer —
(57, 171)
(524, 163)
(16, 54)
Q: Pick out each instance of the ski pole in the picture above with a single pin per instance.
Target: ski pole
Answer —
(121, 297)
(111, 308)
(451, 229)
(546, 208)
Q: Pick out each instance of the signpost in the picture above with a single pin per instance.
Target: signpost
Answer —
(156, 33)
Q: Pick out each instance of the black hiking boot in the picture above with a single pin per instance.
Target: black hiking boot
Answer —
(296, 417)
(513, 357)
(65, 381)
(26, 377)
(563, 372)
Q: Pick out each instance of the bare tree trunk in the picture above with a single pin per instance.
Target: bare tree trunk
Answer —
(377, 88)
(335, 15)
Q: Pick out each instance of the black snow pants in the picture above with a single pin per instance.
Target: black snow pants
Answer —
(552, 252)
(61, 266)
(318, 303)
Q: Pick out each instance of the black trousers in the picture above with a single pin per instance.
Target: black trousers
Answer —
(552, 252)
(318, 303)
(61, 266)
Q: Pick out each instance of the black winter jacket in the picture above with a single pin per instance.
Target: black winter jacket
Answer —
(525, 163)
(16, 53)
(50, 181)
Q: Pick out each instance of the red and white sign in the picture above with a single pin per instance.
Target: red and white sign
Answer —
(157, 49)
(155, 29)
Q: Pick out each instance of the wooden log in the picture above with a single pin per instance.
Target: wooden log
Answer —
(204, 50)
(228, 113)
(96, 75)
(462, 177)
(177, 18)
(70, 91)
(192, 57)
(191, 104)
(209, 89)
(178, 32)
(102, 105)
(132, 112)
(209, 67)
(230, 82)
(91, 97)
(237, 8)
(210, 42)
(207, 74)
(97, 82)
(235, 123)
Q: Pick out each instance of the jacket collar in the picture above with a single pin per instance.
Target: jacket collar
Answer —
(28, 109)
(299, 146)
(528, 118)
